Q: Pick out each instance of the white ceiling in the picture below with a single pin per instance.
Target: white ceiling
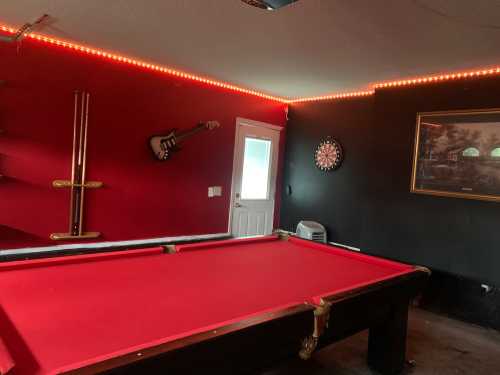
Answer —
(311, 47)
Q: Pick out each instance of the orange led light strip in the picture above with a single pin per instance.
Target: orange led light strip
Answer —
(228, 86)
(440, 78)
(142, 64)
(407, 82)
(333, 96)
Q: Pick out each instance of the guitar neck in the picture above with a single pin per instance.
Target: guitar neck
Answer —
(181, 135)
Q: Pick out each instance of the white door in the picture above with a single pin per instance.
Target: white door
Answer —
(254, 178)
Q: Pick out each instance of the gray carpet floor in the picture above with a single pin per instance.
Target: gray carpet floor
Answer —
(437, 345)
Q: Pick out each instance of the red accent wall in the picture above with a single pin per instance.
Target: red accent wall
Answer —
(142, 197)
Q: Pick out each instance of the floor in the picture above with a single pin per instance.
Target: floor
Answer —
(436, 345)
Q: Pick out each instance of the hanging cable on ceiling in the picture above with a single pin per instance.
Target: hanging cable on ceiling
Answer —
(24, 30)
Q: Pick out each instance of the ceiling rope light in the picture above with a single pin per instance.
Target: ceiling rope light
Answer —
(212, 82)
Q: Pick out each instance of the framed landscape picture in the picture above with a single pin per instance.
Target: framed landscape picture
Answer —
(457, 154)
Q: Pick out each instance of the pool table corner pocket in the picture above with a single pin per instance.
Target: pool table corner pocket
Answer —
(321, 318)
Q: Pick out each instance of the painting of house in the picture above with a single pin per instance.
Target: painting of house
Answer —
(458, 154)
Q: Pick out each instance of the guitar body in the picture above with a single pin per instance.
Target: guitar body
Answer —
(164, 145)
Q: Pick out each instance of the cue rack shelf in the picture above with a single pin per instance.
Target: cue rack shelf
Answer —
(78, 183)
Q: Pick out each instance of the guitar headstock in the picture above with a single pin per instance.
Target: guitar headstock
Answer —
(210, 125)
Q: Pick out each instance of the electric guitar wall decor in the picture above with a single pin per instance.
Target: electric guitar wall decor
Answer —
(164, 145)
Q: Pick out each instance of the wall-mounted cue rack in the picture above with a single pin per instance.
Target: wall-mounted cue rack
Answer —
(78, 183)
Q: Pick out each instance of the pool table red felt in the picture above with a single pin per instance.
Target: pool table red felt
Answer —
(64, 313)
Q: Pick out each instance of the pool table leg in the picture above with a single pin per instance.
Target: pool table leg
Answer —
(387, 341)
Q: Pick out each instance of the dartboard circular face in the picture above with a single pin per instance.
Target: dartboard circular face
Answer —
(328, 155)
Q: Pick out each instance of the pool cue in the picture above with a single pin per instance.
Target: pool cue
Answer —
(77, 191)
(74, 173)
(78, 182)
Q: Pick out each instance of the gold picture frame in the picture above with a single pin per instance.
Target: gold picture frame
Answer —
(457, 154)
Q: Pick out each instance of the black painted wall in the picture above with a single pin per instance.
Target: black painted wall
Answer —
(367, 202)
(462, 299)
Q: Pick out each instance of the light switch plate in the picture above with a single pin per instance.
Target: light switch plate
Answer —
(214, 191)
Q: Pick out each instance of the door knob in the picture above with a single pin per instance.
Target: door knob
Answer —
(238, 205)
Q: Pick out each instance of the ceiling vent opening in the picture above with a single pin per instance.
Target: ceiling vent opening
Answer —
(269, 4)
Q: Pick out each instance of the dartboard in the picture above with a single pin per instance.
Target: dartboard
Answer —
(328, 155)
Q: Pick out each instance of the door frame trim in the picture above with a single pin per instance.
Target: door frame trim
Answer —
(240, 121)
(244, 121)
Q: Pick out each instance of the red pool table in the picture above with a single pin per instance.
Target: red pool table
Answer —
(231, 303)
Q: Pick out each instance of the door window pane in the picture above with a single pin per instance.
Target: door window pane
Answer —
(255, 178)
